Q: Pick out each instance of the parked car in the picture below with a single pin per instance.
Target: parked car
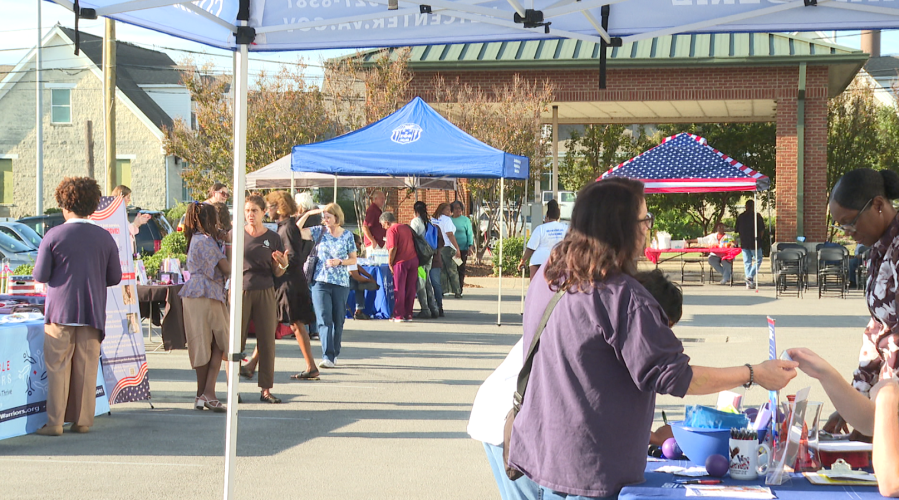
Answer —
(566, 202)
(16, 252)
(22, 233)
(148, 239)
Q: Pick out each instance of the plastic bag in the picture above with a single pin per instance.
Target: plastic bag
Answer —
(703, 417)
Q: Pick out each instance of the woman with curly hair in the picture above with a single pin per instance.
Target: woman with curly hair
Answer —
(205, 313)
(264, 261)
(77, 261)
(605, 353)
(291, 289)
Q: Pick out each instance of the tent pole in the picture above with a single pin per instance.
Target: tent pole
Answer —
(499, 296)
(335, 189)
(524, 234)
(293, 182)
(755, 225)
(234, 354)
(770, 235)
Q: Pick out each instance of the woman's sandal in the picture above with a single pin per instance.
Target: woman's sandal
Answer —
(216, 406)
(200, 403)
(306, 376)
(269, 399)
(245, 372)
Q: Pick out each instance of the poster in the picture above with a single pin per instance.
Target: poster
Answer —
(23, 380)
(122, 351)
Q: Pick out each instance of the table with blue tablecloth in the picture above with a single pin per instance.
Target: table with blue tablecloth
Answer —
(378, 303)
(796, 488)
(23, 379)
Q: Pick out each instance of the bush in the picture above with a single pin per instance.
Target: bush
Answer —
(175, 213)
(174, 245)
(513, 249)
(23, 270)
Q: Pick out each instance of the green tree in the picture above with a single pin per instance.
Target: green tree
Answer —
(283, 110)
(595, 151)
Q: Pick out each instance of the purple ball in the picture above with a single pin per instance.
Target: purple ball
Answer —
(717, 465)
(671, 450)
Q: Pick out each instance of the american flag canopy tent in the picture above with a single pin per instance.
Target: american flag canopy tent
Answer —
(685, 163)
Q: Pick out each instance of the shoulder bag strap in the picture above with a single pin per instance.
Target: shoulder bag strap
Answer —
(525, 372)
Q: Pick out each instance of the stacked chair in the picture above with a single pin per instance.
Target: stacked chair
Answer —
(833, 270)
(790, 270)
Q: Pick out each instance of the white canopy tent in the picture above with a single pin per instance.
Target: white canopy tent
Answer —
(261, 25)
(278, 175)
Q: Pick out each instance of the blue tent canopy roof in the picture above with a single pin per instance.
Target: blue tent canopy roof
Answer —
(413, 141)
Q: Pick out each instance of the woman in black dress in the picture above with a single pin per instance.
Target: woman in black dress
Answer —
(294, 297)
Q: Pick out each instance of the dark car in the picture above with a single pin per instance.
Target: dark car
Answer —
(147, 240)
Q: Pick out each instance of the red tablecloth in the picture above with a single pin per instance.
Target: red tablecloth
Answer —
(653, 254)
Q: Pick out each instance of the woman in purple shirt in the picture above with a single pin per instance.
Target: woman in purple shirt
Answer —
(77, 261)
(605, 353)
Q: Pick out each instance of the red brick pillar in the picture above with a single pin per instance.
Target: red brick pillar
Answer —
(814, 161)
(786, 169)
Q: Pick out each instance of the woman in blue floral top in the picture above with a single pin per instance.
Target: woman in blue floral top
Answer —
(331, 285)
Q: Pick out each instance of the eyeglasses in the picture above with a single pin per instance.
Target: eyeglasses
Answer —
(648, 221)
(223, 194)
(850, 228)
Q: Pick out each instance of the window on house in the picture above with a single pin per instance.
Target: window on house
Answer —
(61, 105)
(6, 181)
(122, 173)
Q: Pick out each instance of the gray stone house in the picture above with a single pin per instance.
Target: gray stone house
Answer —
(149, 96)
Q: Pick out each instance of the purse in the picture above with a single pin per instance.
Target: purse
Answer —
(523, 377)
(312, 260)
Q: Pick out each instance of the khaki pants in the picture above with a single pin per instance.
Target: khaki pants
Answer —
(72, 355)
(262, 307)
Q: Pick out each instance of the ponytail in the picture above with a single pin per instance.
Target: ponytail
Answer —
(890, 184)
(858, 186)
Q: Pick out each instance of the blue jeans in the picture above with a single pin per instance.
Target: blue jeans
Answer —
(434, 274)
(520, 489)
(748, 267)
(549, 494)
(330, 313)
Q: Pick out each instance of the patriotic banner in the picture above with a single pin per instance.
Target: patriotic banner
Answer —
(23, 380)
(124, 359)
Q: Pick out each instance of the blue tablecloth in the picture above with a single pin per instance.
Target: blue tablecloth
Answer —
(23, 380)
(797, 488)
(378, 303)
(31, 299)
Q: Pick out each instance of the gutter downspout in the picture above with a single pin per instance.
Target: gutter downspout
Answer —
(800, 153)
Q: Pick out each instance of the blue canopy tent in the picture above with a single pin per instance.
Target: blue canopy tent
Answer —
(414, 141)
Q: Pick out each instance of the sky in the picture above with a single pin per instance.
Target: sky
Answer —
(19, 34)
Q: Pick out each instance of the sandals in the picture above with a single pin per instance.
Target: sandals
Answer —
(245, 372)
(269, 399)
(200, 403)
(306, 376)
(215, 405)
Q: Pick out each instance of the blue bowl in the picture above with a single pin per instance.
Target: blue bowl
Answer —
(700, 444)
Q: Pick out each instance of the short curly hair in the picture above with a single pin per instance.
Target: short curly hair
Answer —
(79, 195)
(282, 199)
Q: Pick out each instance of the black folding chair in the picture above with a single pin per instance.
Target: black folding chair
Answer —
(789, 271)
(861, 272)
(805, 260)
(690, 274)
(833, 270)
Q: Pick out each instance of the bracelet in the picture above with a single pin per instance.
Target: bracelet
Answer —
(283, 267)
(751, 377)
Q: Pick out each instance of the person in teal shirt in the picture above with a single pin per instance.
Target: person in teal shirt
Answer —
(464, 237)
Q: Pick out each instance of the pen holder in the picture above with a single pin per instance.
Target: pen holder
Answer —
(748, 458)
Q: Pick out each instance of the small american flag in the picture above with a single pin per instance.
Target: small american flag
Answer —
(685, 163)
(108, 206)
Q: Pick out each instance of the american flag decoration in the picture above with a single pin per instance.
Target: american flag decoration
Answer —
(107, 207)
(685, 163)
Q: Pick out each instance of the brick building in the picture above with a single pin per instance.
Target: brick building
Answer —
(722, 78)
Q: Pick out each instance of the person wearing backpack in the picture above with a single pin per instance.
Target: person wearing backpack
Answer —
(403, 260)
(422, 226)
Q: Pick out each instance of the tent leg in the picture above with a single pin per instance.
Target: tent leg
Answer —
(335, 189)
(755, 225)
(524, 231)
(499, 296)
(234, 354)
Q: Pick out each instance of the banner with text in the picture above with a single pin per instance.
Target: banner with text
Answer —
(124, 359)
